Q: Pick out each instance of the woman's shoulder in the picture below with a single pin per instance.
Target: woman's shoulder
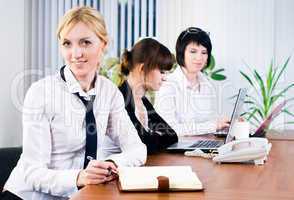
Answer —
(174, 73)
(106, 87)
(173, 82)
(105, 83)
(41, 92)
(44, 83)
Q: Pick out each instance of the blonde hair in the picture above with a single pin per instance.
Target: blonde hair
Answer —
(87, 15)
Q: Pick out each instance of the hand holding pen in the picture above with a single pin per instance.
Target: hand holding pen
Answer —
(97, 172)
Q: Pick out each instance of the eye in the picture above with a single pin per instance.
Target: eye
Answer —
(66, 44)
(204, 52)
(193, 51)
(86, 42)
(163, 72)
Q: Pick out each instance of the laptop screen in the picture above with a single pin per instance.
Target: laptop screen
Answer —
(236, 112)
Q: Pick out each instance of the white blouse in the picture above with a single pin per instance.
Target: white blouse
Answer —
(189, 111)
(54, 136)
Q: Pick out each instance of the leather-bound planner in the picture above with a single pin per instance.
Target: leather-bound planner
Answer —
(158, 178)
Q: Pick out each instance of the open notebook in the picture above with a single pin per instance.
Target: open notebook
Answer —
(158, 178)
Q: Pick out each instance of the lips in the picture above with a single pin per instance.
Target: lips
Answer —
(80, 62)
(198, 65)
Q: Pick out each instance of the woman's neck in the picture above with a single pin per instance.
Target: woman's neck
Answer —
(87, 82)
(191, 77)
(137, 85)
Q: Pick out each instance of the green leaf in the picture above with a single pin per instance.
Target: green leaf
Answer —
(252, 113)
(254, 124)
(283, 91)
(247, 78)
(232, 97)
(218, 70)
(289, 122)
(269, 79)
(257, 103)
(276, 79)
(110, 62)
(249, 102)
(211, 65)
(274, 98)
(215, 75)
(288, 112)
(263, 92)
(218, 77)
(261, 114)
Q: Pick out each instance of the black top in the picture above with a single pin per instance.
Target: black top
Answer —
(160, 135)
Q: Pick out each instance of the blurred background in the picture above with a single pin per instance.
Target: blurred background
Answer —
(252, 32)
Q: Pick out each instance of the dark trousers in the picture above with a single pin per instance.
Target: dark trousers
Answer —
(9, 196)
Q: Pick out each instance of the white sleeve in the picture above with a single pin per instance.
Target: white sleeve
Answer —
(166, 106)
(121, 129)
(37, 147)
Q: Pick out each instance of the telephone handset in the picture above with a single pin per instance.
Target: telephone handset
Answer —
(244, 150)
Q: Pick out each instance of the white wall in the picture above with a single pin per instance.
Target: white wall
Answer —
(254, 31)
(284, 46)
(12, 63)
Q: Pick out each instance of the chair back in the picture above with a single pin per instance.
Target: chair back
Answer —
(8, 160)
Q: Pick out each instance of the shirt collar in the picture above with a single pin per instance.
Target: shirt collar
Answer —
(74, 85)
(183, 81)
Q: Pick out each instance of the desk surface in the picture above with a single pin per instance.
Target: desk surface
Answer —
(274, 180)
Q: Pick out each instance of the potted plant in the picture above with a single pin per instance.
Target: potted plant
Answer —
(266, 94)
(111, 70)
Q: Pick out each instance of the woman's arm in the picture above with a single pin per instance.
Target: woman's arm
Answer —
(123, 132)
(165, 135)
(37, 148)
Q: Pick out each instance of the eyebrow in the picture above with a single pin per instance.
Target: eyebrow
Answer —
(193, 48)
(84, 38)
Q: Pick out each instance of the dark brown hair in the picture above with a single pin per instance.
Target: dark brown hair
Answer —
(149, 52)
(192, 35)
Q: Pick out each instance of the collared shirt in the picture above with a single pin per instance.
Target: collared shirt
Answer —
(54, 136)
(189, 110)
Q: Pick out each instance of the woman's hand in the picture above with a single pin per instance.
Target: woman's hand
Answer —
(222, 123)
(97, 172)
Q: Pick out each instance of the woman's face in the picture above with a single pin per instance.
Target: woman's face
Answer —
(195, 57)
(81, 49)
(154, 79)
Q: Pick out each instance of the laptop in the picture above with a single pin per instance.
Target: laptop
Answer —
(211, 145)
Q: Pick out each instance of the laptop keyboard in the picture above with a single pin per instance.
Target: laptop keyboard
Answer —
(207, 144)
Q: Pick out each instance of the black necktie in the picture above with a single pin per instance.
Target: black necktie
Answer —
(91, 131)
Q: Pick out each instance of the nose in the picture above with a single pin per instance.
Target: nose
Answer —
(77, 52)
(198, 56)
(163, 76)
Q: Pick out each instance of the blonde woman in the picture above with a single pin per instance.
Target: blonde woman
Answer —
(67, 116)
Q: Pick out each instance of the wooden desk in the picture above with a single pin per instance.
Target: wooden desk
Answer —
(274, 180)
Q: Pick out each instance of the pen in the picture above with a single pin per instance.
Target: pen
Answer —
(90, 158)
(111, 172)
